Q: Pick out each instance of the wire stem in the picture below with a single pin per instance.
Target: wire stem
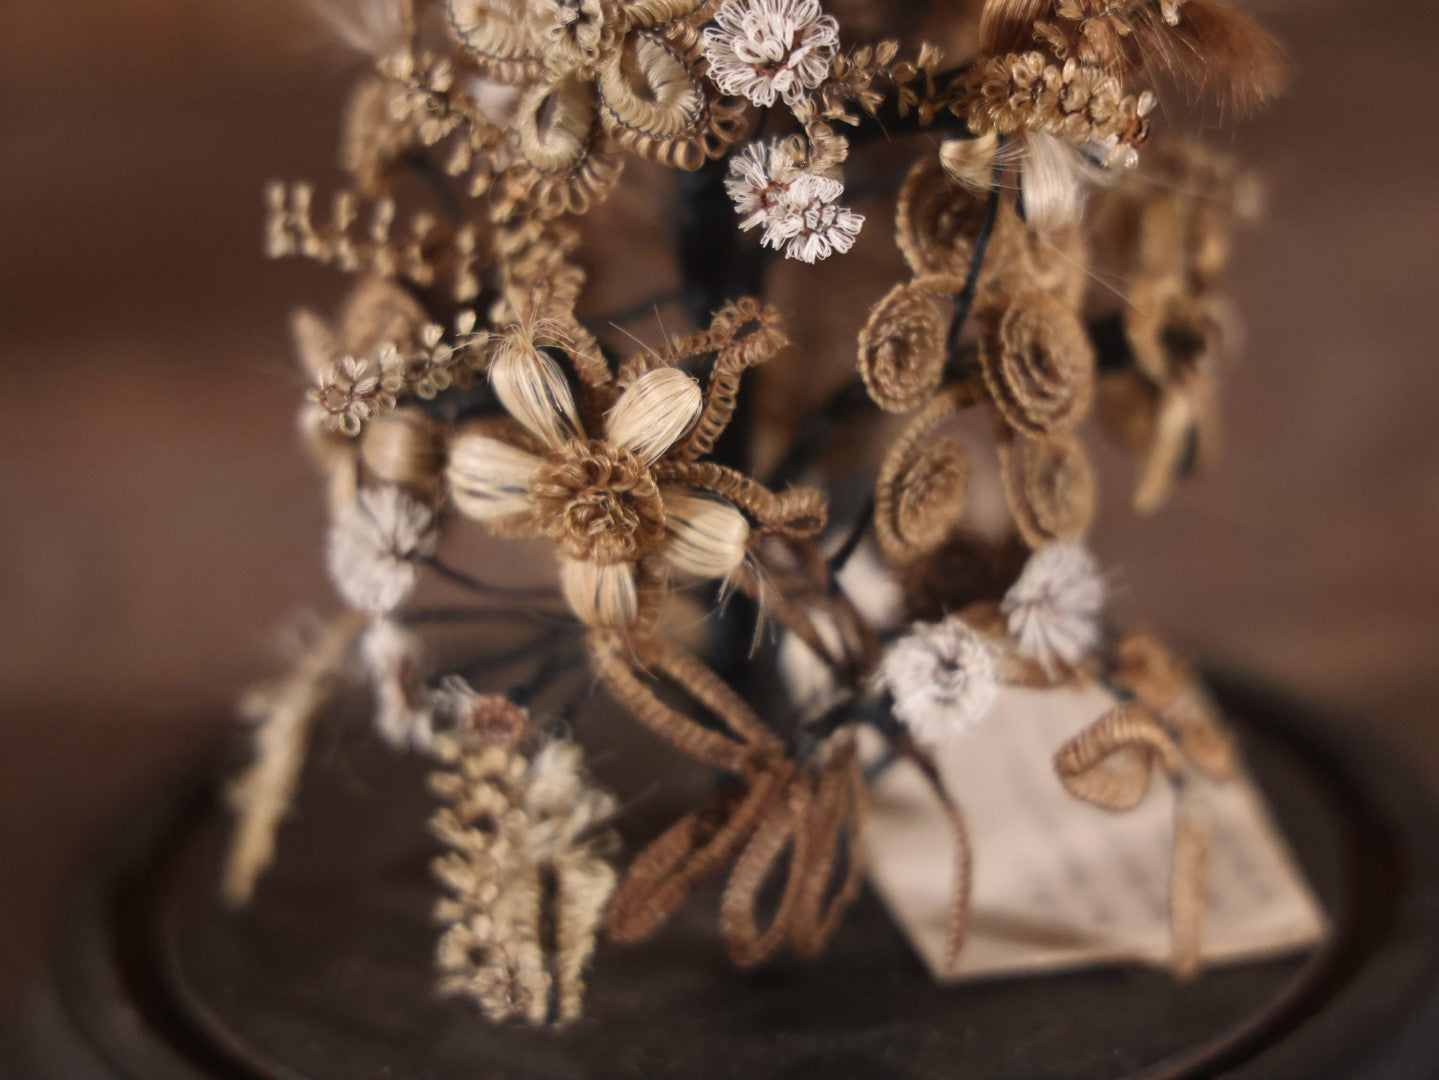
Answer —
(964, 302)
(484, 588)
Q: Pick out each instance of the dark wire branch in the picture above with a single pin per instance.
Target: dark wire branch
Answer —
(964, 302)
(442, 616)
(557, 664)
(483, 588)
(819, 431)
(840, 559)
(876, 712)
(557, 641)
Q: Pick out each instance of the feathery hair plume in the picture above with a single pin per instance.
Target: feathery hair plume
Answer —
(284, 716)
(708, 537)
(1052, 191)
(601, 594)
(371, 27)
(1007, 26)
(1218, 51)
(970, 162)
(489, 478)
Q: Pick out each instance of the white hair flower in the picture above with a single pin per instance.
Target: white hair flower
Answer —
(374, 546)
(1054, 607)
(942, 678)
(762, 178)
(753, 185)
(796, 206)
(768, 49)
(392, 658)
(811, 229)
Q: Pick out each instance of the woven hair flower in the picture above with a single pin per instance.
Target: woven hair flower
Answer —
(813, 229)
(942, 677)
(351, 390)
(797, 207)
(768, 49)
(1054, 607)
(599, 500)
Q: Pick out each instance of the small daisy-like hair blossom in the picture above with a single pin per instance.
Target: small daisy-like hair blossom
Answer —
(1054, 607)
(768, 49)
(761, 178)
(796, 207)
(375, 544)
(814, 229)
(942, 678)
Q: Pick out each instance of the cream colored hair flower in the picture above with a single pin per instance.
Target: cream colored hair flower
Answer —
(597, 499)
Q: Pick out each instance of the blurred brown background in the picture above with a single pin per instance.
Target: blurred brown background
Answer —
(157, 522)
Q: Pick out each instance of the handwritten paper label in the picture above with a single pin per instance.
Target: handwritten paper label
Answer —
(1059, 883)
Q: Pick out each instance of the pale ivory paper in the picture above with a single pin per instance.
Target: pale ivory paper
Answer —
(1059, 883)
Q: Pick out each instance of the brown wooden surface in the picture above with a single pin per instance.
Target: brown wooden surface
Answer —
(158, 522)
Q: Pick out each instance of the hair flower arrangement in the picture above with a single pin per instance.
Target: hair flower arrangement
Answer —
(470, 378)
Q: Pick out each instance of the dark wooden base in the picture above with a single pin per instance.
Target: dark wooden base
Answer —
(327, 976)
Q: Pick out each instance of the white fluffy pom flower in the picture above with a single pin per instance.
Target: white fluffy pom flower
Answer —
(768, 49)
(392, 658)
(374, 546)
(942, 678)
(1055, 606)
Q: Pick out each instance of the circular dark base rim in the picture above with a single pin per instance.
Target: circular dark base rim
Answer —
(1366, 1005)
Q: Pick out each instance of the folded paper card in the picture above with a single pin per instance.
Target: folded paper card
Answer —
(1060, 883)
